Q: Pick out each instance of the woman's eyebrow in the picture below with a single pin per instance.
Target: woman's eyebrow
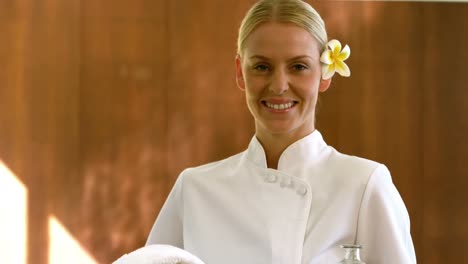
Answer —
(301, 57)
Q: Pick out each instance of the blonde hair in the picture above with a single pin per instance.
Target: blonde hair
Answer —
(297, 12)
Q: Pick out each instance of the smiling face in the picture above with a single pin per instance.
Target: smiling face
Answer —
(280, 72)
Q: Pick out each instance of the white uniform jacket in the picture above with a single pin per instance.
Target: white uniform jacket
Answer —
(238, 211)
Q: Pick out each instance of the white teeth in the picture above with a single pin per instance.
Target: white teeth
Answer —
(279, 106)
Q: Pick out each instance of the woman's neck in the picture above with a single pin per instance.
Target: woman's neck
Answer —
(275, 144)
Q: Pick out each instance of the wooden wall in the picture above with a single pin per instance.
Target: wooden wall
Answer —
(103, 103)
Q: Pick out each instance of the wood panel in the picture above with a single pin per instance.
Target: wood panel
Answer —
(83, 121)
(445, 233)
(38, 100)
(123, 117)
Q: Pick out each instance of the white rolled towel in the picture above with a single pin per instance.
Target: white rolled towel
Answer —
(159, 254)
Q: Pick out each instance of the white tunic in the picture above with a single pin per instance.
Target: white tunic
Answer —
(239, 211)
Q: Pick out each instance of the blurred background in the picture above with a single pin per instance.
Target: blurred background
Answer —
(104, 103)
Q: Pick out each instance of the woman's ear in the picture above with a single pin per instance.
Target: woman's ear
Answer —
(324, 85)
(239, 75)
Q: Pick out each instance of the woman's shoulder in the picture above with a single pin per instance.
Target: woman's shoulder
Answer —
(212, 167)
(336, 156)
(353, 165)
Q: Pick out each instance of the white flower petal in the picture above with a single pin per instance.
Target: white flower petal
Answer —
(335, 46)
(326, 57)
(333, 60)
(328, 71)
(342, 68)
(344, 53)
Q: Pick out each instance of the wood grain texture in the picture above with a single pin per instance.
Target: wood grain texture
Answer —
(445, 126)
(123, 117)
(104, 103)
(208, 119)
(39, 113)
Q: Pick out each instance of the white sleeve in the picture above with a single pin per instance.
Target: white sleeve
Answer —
(383, 224)
(168, 227)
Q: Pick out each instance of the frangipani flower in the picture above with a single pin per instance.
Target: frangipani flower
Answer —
(333, 60)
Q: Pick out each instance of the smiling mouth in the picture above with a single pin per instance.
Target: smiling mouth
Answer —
(284, 106)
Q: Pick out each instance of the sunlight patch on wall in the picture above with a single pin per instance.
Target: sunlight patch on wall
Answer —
(64, 248)
(13, 220)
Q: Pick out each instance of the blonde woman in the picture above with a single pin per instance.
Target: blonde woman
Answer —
(289, 197)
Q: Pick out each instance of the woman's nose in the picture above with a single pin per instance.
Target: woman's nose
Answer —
(279, 83)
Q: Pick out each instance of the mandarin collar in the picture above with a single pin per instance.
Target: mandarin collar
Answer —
(307, 150)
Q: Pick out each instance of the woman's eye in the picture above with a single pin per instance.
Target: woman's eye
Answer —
(299, 67)
(261, 67)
